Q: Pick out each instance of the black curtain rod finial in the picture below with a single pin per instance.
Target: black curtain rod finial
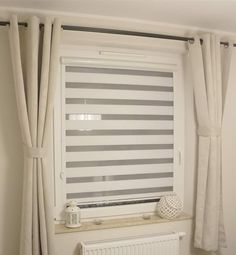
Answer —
(4, 23)
(7, 23)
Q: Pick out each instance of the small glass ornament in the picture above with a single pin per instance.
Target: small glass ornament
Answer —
(72, 215)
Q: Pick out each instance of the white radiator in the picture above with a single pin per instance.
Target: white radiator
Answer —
(158, 244)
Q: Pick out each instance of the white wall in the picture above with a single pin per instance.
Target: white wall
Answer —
(11, 163)
(66, 244)
(229, 162)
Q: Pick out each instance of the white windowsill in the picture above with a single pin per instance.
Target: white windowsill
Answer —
(118, 223)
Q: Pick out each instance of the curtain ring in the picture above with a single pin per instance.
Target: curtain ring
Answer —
(226, 45)
(191, 41)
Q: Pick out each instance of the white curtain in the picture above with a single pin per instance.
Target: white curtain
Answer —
(35, 75)
(210, 77)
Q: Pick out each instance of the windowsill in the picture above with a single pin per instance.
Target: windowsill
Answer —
(118, 223)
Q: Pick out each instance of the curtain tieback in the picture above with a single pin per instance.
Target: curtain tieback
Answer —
(35, 152)
(209, 131)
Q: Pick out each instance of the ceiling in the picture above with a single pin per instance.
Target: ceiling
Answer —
(209, 14)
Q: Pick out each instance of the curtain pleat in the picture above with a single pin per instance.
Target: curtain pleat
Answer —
(210, 85)
(35, 96)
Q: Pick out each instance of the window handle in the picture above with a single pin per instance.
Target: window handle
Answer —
(180, 157)
(62, 175)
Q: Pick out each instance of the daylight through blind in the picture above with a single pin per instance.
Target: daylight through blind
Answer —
(119, 139)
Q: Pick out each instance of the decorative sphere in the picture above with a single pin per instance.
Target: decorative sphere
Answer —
(169, 207)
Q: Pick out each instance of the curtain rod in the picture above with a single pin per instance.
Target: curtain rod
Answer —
(119, 32)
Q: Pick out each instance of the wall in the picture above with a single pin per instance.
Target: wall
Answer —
(11, 163)
(229, 162)
(66, 244)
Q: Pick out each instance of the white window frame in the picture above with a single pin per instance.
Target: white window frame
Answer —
(135, 59)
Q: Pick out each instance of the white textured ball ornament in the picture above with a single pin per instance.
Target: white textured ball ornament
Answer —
(169, 207)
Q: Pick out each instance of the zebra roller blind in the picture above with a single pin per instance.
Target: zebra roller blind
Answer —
(118, 133)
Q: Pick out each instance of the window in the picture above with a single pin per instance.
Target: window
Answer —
(118, 137)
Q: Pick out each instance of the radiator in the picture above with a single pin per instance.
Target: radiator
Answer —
(156, 244)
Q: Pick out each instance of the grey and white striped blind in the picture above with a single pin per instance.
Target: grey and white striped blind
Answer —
(118, 134)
